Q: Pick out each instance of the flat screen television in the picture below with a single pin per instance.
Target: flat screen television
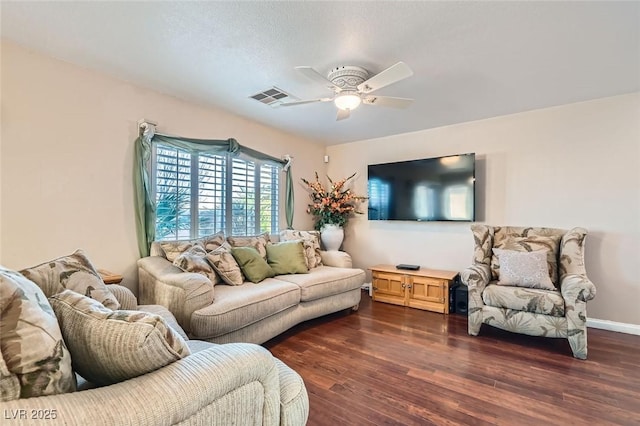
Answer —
(429, 189)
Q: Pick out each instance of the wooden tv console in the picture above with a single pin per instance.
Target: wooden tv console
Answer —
(426, 289)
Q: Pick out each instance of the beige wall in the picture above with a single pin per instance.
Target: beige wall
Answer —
(573, 165)
(67, 158)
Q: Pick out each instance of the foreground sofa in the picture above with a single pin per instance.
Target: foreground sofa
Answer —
(249, 312)
(241, 384)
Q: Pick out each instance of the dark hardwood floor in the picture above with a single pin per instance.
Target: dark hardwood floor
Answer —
(389, 364)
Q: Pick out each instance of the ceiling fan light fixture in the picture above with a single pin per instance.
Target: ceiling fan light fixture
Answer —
(347, 101)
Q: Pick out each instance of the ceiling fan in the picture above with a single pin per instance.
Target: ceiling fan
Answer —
(352, 86)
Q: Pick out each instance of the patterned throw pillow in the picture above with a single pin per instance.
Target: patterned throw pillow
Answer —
(35, 356)
(258, 242)
(524, 269)
(253, 266)
(111, 346)
(173, 249)
(531, 243)
(311, 243)
(195, 260)
(212, 242)
(74, 272)
(225, 265)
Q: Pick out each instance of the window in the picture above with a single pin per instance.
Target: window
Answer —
(201, 194)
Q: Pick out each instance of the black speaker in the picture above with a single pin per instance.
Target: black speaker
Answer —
(461, 300)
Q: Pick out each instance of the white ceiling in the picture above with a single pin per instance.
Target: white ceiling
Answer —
(471, 60)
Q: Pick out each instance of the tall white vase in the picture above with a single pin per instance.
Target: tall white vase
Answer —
(332, 236)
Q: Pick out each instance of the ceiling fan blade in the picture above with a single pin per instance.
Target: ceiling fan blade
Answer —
(310, 101)
(389, 76)
(317, 77)
(343, 114)
(387, 101)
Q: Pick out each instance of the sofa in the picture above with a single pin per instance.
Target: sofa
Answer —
(223, 384)
(250, 312)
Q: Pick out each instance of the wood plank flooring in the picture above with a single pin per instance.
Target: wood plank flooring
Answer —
(391, 365)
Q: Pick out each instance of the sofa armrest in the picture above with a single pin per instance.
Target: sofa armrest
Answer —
(338, 259)
(125, 296)
(205, 385)
(476, 276)
(577, 287)
(162, 283)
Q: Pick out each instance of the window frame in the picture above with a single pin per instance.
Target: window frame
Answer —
(275, 190)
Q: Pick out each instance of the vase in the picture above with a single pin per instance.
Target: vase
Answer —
(332, 236)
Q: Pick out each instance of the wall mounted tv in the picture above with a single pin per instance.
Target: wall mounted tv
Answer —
(430, 189)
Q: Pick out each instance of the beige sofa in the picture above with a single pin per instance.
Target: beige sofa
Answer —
(217, 384)
(249, 312)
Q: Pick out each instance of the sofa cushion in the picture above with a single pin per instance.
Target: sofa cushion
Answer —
(325, 281)
(311, 243)
(252, 264)
(258, 242)
(524, 269)
(236, 307)
(547, 302)
(111, 346)
(287, 257)
(34, 355)
(225, 265)
(74, 272)
(194, 259)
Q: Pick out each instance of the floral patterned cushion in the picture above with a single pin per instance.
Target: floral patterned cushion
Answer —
(195, 260)
(547, 302)
(74, 272)
(212, 242)
(524, 269)
(258, 242)
(225, 265)
(111, 346)
(530, 243)
(35, 358)
(311, 243)
(173, 249)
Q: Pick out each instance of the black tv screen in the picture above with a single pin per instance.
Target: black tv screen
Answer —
(430, 189)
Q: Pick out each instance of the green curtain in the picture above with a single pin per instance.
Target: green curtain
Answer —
(144, 203)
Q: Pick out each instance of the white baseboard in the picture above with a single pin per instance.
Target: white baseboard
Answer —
(620, 327)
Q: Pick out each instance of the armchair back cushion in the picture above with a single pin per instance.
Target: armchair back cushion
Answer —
(527, 239)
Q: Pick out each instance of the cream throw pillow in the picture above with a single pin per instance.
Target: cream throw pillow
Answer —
(111, 346)
(550, 244)
(34, 355)
(524, 269)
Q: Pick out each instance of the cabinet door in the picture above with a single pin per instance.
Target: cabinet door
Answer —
(428, 293)
(388, 287)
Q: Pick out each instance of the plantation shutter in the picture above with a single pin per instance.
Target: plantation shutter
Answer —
(173, 193)
(212, 188)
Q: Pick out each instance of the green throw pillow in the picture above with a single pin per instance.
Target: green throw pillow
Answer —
(287, 257)
(253, 266)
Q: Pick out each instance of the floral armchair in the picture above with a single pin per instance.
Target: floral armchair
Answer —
(555, 311)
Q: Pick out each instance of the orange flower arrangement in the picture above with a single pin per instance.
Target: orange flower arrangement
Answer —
(333, 206)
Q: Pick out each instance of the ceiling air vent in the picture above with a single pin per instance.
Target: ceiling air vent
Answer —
(271, 96)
